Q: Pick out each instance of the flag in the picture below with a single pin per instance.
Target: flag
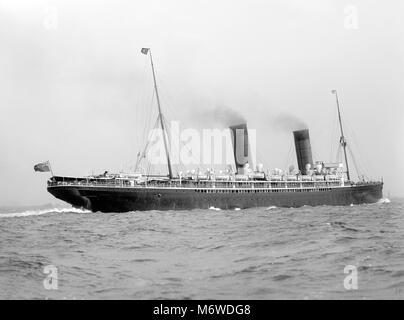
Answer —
(145, 50)
(334, 91)
(42, 167)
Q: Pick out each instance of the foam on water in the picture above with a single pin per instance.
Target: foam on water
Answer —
(213, 208)
(41, 212)
(384, 200)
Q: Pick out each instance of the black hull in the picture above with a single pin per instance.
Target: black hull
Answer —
(122, 199)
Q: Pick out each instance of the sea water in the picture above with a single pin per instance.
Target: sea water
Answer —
(325, 252)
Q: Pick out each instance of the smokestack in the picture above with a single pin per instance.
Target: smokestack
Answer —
(303, 149)
(239, 140)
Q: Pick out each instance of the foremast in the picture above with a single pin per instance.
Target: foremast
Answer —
(170, 172)
(342, 140)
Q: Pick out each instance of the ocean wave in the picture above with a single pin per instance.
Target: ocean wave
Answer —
(213, 208)
(281, 277)
(41, 212)
(343, 226)
(271, 208)
(384, 200)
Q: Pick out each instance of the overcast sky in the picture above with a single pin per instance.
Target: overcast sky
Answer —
(75, 89)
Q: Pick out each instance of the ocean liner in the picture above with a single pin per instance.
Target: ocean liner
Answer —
(313, 184)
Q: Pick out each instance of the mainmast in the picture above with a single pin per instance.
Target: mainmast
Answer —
(342, 140)
(170, 173)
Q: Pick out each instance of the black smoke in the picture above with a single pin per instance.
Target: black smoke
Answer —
(221, 116)
(288, 123)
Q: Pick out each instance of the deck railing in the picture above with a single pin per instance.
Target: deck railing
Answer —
(219, 184)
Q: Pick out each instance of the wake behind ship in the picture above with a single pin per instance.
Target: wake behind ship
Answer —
(314, 183)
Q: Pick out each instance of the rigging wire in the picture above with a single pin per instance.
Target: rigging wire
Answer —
(338, 157)
(354, 162)
(334, 135)
(170, 111)
(362, 164)
(289, 155)
(139, 101)
(262, 159)
(143, 117)
(181, 165)
(142, 155)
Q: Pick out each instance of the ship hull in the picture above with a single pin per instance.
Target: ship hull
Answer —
(122, 199)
